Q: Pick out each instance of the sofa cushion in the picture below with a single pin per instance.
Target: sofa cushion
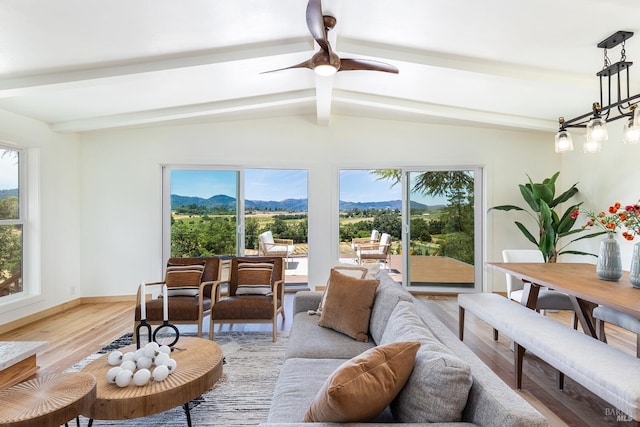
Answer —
(438, 388)
(254, 278)
(388, 294)
(183, 280)
(362, 387)
(347, 270)
(307, 339)
(347, 308)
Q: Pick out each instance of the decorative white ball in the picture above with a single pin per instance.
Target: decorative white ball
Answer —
(115, 358)
(160, 373)
(161, 359)
(171, 365)
(165, 349)
(129, 355)
(151, 349)
(138, 354)
(113, 373)
(144, 362)
(129, 365)
(123, 379)
(141, 377)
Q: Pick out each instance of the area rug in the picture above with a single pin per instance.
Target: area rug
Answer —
(241, 397)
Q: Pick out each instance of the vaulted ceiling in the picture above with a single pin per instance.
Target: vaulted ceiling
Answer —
(82, 65)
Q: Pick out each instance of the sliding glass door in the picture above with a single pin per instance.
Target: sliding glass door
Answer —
(218, 212)
(432, 218)
(443, 228)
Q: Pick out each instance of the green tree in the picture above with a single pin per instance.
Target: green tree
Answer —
(10, 250)
(388, 222)
(458, 246)
(251, 226)
(9, 208)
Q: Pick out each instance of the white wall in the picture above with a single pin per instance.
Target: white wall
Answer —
(613, 175)
(100, 192)
(52, 267)
(121, 191)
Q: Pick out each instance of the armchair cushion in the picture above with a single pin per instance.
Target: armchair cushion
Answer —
(183, 280)
(347, 307)
(364, 386)
(254, 278)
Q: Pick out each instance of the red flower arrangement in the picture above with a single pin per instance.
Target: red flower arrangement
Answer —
(616, 219)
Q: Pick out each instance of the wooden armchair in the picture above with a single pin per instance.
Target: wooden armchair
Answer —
(189, 288)
(376, 251)
(255, 293)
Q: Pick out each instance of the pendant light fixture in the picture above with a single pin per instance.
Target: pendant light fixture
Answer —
(614, 85)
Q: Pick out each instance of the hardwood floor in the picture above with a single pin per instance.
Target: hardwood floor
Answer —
(84, 329)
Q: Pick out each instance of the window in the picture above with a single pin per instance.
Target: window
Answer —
(11, 222)
(431, 217)
(217, 212)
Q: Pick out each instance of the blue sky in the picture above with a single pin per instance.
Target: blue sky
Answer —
(8, 171)
(260, 184)
(275, 184)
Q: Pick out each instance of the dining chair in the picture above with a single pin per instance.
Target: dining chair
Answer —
(548, 299)
(603, 315)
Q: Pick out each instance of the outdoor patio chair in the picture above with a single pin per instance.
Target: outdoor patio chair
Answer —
(268, 246)
(376, 251)
(547, 299)
(255, 293)
(374, 238)
(189, 288)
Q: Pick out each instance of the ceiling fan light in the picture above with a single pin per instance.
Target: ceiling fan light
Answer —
(325, 70)
(564, 142)
(597, 130)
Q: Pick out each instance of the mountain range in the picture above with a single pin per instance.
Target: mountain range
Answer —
(290, 205)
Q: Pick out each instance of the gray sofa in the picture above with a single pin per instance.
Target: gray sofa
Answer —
(313, 353)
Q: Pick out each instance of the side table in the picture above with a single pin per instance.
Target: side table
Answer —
(18, 361)
(50, 400)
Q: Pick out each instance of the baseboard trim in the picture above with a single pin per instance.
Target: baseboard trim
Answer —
(18, 323)
(104, 299)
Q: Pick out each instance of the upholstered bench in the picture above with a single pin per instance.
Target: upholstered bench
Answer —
(602, 369)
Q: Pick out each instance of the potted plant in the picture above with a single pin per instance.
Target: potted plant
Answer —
(542, 202)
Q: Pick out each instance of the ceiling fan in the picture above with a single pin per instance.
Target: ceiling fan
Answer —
(326, 62)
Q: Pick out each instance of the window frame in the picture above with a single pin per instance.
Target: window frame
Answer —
(22, 220)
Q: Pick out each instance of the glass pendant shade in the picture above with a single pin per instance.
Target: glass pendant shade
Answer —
(597, 130)
(592, 146)
(564, 142)
(631, 132)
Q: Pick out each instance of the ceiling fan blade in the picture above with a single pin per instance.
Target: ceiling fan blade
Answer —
(315, 23)
(305, 64)
(347, 64)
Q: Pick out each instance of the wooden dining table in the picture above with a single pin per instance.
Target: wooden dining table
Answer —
(580, 282)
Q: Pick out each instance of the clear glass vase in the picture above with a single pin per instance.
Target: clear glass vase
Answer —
(634, 271)
(609, 266)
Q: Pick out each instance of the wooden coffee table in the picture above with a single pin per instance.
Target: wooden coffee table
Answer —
(199, 366)
(49, 400)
